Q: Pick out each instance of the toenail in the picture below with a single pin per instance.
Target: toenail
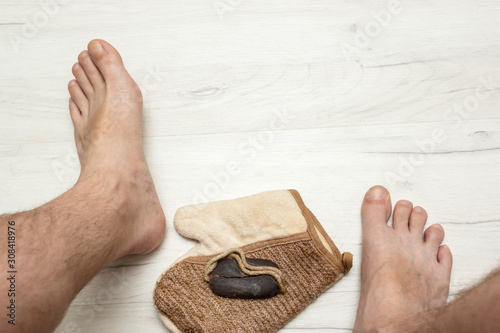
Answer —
(376, 193)
(75, 66)
(419, 209)
(97, 46)
(72, 82)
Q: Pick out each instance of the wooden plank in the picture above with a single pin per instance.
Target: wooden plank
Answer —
(204, 74)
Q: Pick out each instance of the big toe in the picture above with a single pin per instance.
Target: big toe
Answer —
(107, 59)
(376, 207)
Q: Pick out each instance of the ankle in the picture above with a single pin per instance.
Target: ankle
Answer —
(135, 215)
(418, 322)
(422, 322)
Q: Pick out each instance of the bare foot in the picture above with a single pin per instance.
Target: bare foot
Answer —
(106, 109)
(405, 273)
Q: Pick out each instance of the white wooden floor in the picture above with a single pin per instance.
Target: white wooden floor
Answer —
(404, 94)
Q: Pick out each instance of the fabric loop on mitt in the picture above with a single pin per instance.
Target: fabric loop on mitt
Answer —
(245, 267)
(347, 259)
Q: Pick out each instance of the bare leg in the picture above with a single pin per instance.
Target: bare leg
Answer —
(405, 277)
(476, 311)
(112, 210)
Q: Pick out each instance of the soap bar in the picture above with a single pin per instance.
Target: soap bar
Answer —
(227, 280)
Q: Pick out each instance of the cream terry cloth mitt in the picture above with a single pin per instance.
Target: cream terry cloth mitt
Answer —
(298, 262)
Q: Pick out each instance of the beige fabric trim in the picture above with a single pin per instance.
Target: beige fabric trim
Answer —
(167, 322)
(330, 252)
(221, 225)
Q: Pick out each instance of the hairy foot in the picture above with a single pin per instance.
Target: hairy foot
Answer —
(405, 273)
(106, 109)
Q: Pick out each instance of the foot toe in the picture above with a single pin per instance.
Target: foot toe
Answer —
(91, 70)
(401, 217)
(417, 221)
(74, 111)
(78, 96)
(434, 235)
(82, 79)
(106, 58)
(76, 115)
(376, 207)
(444, 256)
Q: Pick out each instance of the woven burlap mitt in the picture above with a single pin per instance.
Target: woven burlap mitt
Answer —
(275, 226)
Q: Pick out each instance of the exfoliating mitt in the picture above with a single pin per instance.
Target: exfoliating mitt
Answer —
(260, 260)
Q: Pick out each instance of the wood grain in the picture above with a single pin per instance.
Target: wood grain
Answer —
(268, 86)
